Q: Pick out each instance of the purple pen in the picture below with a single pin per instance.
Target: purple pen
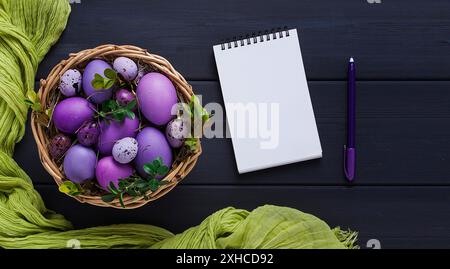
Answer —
(349, 148)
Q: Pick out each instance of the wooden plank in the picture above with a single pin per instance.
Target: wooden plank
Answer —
(405, 39)
(406, 217)
(402, 139)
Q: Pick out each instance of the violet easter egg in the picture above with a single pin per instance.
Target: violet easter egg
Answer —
(124, 97)
(126, 67)
(112, 131)
(156, 95)
(108, 170)
(152, 144)
(71, 113)
(80, 163)
(97, 96)
(88, 133)
(58, 146)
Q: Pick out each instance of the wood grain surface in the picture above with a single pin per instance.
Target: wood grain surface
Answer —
(401, 194)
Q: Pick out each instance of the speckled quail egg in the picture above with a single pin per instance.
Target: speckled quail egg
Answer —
(176, 132)
(70, 83)
(125, 150)
(126, 67)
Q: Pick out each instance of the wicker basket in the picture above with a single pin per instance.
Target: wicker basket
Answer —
(49, 94)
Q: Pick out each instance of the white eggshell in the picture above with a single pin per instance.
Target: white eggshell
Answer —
(125, 150)
(70, 82)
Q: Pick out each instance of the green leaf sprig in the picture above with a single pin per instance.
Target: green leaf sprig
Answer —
(135, 186)
(107, 81)
(197, 111)
(32, 100)
(70, 188)
(156, 168)
(112, 110)
(191, 143)
(198, 116)
(43, 115)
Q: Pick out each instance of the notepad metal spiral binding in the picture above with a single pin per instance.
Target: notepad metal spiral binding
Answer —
(254, 38)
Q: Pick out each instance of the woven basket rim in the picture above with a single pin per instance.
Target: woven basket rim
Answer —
(47, 87)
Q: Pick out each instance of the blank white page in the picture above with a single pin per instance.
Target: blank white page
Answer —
(267, 74)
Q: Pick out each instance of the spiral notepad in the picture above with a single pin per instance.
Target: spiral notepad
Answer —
(265, 73)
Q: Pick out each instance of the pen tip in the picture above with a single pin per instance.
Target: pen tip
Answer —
(352, 60)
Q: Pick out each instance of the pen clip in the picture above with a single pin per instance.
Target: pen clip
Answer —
(349, 162)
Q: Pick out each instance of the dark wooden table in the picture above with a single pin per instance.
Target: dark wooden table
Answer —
(402, 193)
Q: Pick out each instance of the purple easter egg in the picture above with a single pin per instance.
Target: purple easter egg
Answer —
(126, 67)
(156, 95)
(79, 164)
(71, 113)
(124, 97)
(58, 146)
(97, 96)
(88, 133)
(108, 170)
(152, 144)
(112, 131)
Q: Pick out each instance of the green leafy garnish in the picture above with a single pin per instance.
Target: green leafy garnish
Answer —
(156, 168)
(111, 74)
(43, 116)
(191, 143)
(197, 110)
(109, 80)
(32, 100)
(135, 186)
(198, 117)
(70, 188)
(112, 110)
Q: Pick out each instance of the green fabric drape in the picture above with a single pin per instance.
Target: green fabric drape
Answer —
(28, 28)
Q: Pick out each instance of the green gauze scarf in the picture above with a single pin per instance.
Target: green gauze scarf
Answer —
(28, 28)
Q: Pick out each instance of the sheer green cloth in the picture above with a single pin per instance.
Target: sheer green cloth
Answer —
(28, 28)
